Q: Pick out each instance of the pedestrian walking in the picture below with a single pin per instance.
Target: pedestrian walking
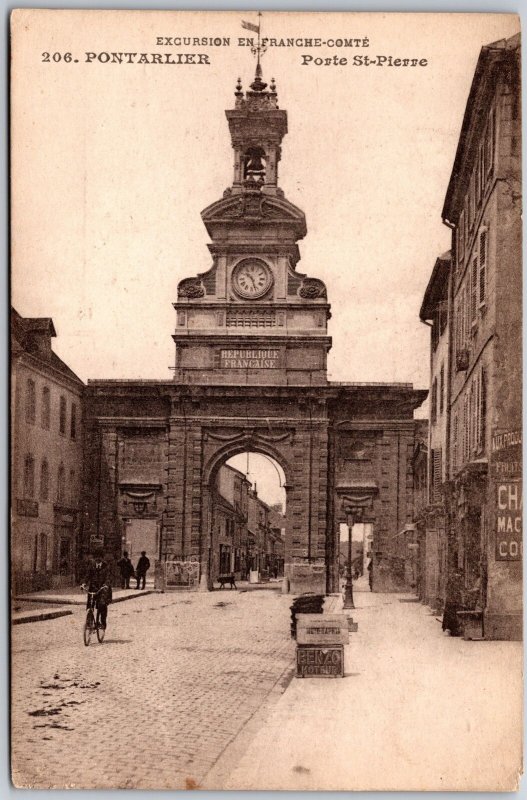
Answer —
(126, 568)
(98, 580)
(143, 565)
(370, 574)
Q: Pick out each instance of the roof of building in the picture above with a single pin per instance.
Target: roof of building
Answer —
(437, 288)
(492, 57)
(222, 503)
(27, 335)
(236, 471)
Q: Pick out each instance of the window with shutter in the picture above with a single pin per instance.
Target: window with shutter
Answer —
(457, 317)
(474, 290)
(431, 478)
(477, 420)
(483, 409)
(436, 468)
(455, 455)
(465, 429)
(461, 311)
(483, 244)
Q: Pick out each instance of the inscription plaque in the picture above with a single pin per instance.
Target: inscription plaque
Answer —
(252, 358)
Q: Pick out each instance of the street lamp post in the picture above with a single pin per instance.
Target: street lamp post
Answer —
(353, 514)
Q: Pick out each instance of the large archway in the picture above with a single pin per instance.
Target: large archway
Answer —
(245, 514)
(302, 555)
(247, 520)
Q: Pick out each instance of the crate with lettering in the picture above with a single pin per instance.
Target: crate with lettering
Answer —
(322, 629)
(320, 661)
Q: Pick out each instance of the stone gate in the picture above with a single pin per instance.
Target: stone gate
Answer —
(250, 375)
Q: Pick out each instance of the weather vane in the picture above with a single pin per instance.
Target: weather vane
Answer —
(257, 50)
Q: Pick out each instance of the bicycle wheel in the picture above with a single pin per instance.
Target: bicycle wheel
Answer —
(100, 632)
(89, 625)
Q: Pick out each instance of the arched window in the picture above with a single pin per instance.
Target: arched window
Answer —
(29, 476)
(31, 401)
(44, 480)
(61, 484)
(45, 412)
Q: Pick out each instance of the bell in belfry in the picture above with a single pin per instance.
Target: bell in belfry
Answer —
(254, 165)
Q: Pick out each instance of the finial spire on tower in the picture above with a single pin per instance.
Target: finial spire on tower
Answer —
(258, 85)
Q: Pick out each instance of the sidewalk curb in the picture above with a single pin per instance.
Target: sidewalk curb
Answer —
(54, 601)
(258, 587)
(39, 617)
(227, 760)
(141, 593)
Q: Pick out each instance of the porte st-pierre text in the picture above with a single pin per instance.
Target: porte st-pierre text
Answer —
(327, 59)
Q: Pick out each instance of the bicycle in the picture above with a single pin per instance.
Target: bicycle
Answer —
(93, 622)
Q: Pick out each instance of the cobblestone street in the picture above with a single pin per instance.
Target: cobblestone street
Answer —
(156, 704)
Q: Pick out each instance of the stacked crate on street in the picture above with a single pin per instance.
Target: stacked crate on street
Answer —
(320, 645)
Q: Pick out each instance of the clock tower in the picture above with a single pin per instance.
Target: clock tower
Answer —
(252, 318)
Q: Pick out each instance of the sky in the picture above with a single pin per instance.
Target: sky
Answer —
(265, 474)
(113, 163)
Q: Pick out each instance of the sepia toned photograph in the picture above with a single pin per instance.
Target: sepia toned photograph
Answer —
(266, 401)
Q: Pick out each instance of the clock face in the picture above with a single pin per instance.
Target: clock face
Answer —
(251, 278)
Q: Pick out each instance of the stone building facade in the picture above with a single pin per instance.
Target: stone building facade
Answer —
(416, 538)
(250, 375)
(436, 312)
(230, 545)
(481, 436)
(46, 459)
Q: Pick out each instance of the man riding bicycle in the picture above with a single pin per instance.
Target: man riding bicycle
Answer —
(98, 580)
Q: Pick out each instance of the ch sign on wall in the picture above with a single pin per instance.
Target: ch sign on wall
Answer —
(509, 511)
